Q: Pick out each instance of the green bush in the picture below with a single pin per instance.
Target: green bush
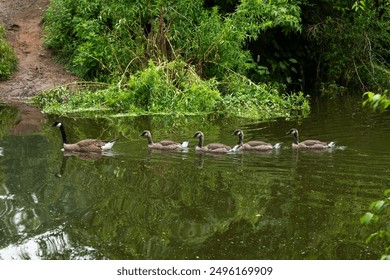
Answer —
(168, 56)
(152, 90)
(8, 60)
(174, 88)
(349, 42)
(377, 101)
(105, 39)
(377, 218)
(250, 100)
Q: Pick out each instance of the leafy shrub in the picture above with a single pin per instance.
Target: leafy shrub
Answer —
(169, 56)
(377, 101)
(174, 88)
(349, 42)
(105, 39)
(247, 99)
(8, 60)
(378, 217)
(167, 88)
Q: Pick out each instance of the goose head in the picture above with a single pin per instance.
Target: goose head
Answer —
(238, 132)
(145, 133)
(294, 133)
(58, 124)
(240, 135)
(148, 135)
(198, 134)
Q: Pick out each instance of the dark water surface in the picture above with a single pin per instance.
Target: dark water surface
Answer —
(137, 204)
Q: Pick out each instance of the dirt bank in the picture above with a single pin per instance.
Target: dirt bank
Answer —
(37, 69)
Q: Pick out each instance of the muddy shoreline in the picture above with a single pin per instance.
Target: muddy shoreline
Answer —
(37, 69)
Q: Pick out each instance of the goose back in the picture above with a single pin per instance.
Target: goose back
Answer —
(210, 148)
(251, 145)
(163, 144)
(308, 144)
(86, 145)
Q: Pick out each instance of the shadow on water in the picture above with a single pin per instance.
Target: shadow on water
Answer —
(133, 203)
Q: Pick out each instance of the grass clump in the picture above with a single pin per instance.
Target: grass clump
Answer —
(174, 88)
(8, 60)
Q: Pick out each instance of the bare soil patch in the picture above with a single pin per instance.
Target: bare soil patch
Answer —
(37, 69)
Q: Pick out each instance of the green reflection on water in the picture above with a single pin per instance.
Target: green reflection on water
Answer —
(138, 204)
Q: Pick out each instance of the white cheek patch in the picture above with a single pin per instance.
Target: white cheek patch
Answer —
(59, 124)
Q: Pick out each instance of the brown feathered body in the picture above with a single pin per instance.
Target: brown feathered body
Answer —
(210, 148)
(251, 145)
(308, 144)
(86, 145)
(163, 144)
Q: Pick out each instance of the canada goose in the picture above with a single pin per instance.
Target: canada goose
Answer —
(211, 148)
(253, 145)
(164, 144)
(87, 145)
(308, 144)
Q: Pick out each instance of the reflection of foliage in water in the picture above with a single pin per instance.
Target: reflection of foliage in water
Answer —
(133, 211)
(168, 205)
(377, 217)
(8, 116)
(156, 210)
(162, 127)
(379, 210)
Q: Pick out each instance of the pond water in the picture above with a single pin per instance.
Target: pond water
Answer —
(138, 204)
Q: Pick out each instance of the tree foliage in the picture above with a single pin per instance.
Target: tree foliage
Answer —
(297, 43)
(349, 42)
(170, 56)
(107, 38)
(377, 101)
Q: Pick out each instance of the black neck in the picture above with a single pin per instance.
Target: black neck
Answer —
(240, 139)
(296, 138)
(200, 144)
(64, 139)
(150, 141)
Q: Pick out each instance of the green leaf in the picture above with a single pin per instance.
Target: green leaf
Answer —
(369, 94)
(367, 218)
(372, 235)
(377, 206)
